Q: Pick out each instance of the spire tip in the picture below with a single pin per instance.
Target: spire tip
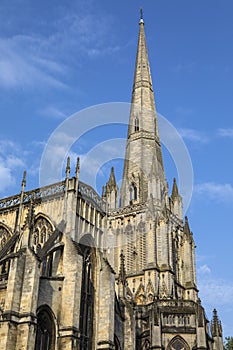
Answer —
(141, 16)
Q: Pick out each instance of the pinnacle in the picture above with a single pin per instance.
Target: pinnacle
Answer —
(175, 192)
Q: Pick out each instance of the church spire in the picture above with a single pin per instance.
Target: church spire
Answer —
(143, 144)
(142, 95)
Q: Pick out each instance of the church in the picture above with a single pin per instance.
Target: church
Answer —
(60, 289)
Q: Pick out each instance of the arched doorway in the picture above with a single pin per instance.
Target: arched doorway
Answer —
(45, 335)
(178, 343)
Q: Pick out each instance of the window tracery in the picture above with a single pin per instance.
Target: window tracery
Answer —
(4, 236)
(41, 233)
(178, 343)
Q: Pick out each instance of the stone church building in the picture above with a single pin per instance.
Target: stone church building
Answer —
(60, 289)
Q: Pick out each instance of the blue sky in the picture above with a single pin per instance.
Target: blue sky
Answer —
(58, 57)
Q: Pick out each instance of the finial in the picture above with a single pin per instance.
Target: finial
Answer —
(175, 192)
(24, 180)
(141, 15)
(68, 167)
(77, 166)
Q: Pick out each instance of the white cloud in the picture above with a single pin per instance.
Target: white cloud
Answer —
(216, 291)
(43, 60)
(53, 112)
(20, 66)
(12, 163)
(184, 110)
(193, 135)
(225, 132)
(221, 192)
(204, 270)
(6, 177)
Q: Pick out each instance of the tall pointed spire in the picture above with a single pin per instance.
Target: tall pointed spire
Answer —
(143, 144)
(142, 96)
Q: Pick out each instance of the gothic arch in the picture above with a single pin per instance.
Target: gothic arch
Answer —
(87, 304)
(46, 330)
(178, 343)
(133, 192)
(140, 295)
(5, 234)
(150, 293)
(87, 240)
(46, 217)
(42, 230)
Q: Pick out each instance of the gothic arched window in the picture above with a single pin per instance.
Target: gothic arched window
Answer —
(45, 335)
(41, 233)
(178, 343)
(4, 236)
(87, 300)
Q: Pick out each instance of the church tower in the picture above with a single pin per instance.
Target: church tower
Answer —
(154, 246)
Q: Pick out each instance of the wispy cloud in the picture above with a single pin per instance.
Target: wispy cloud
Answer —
(211, 190)
(29, 60)
(184, 110)
(9, 162)
(204, 270)
(225, 132)
(216, 291)
(184, 67)
(21, 67)
(14, 160)
(193, 135)
(53, 112)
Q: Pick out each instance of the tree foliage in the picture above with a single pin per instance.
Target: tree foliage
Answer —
(228, 344)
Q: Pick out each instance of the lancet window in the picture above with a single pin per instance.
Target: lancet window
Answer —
(133, 192)
(130, 248)
(45, 335)
(142, 244)
(87, 300)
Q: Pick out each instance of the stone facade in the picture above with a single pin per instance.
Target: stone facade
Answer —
(61, 289)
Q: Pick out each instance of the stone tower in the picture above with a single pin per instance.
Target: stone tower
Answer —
(154, 246)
